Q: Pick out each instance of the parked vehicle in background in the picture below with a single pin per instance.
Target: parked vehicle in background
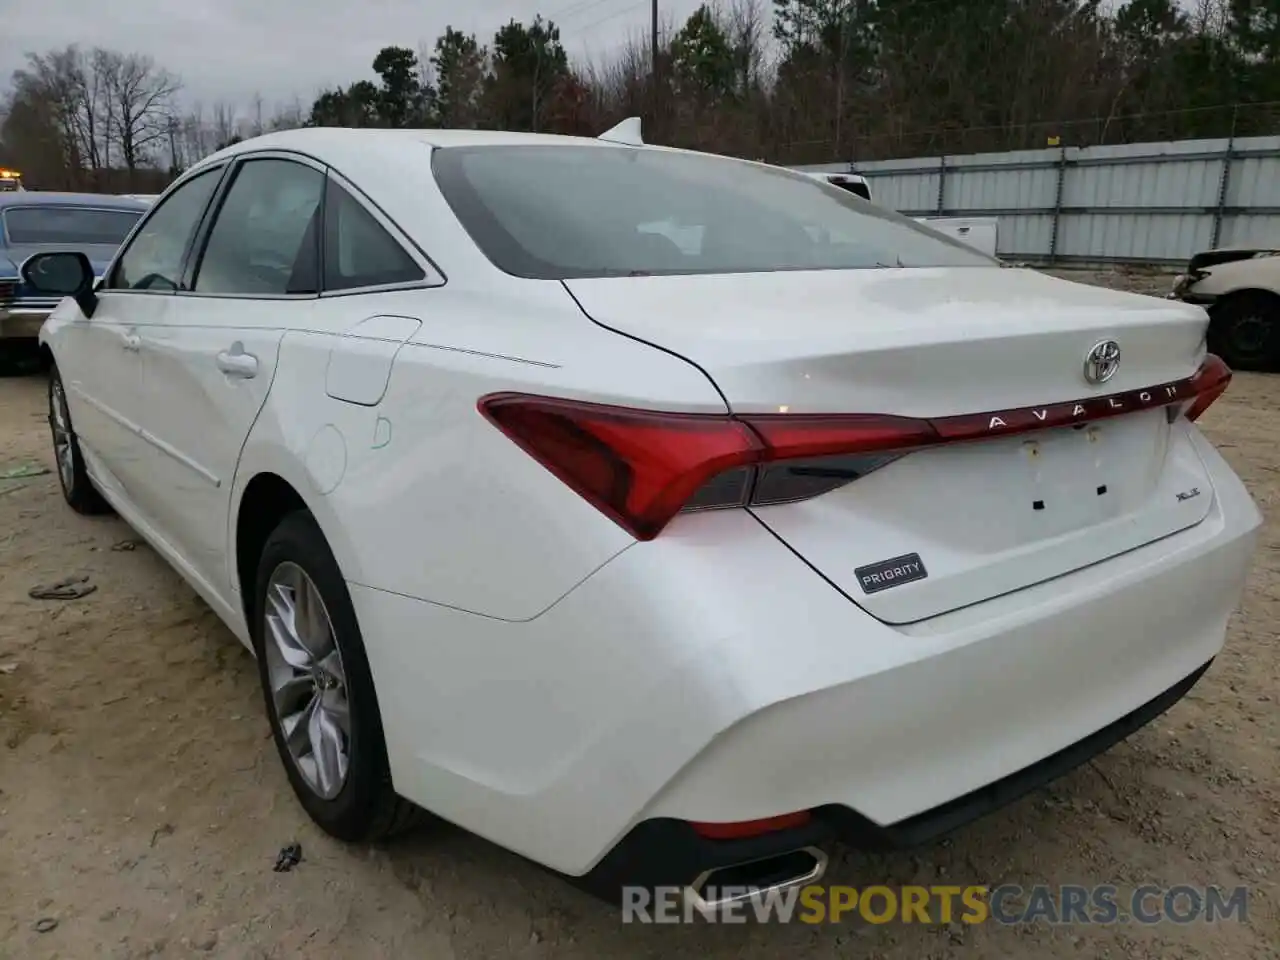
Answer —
(32, 221)
(981, 233)
(851, 182)
(147, 198)
(660, 516)
(1240, 287)
(10, 181)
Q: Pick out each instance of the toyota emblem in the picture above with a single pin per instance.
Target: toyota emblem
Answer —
(1102, 361)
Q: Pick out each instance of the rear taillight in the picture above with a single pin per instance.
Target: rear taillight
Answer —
(636, 466)
(1207, 385)
(642, 467)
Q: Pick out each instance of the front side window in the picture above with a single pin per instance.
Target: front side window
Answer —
(265, 240)
(69, 225)
(153, 259)
(358, 252)
(558, 212)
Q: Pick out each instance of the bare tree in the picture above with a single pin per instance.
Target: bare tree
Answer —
(141, 104)
(79, 88)
(101, 122)
(32, 137)
(195, 136)
(289, 116)
(256, 126)
(224, 124)
(54, 83)
(747, 28)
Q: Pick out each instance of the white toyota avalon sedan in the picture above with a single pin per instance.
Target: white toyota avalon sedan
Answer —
(662, 517)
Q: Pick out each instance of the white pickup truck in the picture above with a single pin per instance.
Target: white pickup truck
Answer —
(978, 232)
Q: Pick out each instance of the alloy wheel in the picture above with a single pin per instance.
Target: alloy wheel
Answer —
(307, 679)
(60, 425)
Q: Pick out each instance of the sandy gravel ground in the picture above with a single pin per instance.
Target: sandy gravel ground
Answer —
(142, 805)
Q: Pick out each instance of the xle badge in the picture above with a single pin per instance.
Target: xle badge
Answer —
(875, 577)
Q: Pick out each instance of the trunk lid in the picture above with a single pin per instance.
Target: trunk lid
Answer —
(981, 518)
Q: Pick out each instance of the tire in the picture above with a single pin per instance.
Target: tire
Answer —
(1244, 330)
(77, 489)
(354, 802)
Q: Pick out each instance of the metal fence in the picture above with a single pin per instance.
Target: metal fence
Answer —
(1155, 203)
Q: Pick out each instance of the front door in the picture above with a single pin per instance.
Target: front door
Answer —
(209, 365)
(101, 360)
(100, 363)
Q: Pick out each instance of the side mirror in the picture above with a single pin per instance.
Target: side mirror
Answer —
(62, 275)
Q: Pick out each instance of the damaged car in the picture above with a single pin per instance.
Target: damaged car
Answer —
(1240, 287)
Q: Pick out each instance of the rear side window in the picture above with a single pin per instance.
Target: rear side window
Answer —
(77, 225)
(358, 252)
(558, 212)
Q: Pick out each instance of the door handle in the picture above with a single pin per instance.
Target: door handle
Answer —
(132, 342)
(236, 363)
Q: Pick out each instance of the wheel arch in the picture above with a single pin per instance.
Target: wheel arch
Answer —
(1247, 291)
(261, 499)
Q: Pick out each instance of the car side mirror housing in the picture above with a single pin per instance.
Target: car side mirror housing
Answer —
(63, 274)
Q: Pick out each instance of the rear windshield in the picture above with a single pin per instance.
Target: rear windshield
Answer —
(69, 225)
(558, 212)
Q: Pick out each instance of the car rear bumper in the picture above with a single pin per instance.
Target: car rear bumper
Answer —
(667, 852)
(22, 323)
(685, 681)
(1183, 285)
(1196, 299)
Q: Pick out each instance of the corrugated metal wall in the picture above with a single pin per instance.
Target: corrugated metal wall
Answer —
(1145, 202)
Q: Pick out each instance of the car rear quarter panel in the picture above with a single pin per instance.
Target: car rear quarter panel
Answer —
(419, 494)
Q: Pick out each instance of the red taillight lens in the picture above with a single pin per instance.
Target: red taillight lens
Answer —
(638, 467)
(1209, 383)
(642, 467)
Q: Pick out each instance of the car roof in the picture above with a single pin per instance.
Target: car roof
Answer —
(51, 198)
(347, 147)
(323, 139)
(377, 158)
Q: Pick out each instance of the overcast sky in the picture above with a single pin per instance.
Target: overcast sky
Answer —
(229, 49)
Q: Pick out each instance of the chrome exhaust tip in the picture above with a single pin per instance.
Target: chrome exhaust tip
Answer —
(720, 887)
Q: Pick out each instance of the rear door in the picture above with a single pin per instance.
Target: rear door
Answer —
(208, 366)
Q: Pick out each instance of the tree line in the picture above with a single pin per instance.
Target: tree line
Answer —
(794, 82)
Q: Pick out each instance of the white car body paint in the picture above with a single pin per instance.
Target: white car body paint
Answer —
(550, 682)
